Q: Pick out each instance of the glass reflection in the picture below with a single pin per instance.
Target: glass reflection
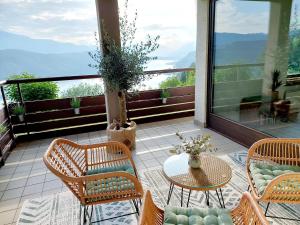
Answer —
(257, 65)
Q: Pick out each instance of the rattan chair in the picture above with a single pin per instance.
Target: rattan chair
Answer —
(97, 173)
(278, 153)
(246, 213)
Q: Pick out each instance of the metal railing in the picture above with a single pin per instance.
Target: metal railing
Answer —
(28, 123)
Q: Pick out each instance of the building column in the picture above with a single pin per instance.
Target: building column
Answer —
(108, 21)
(277, 52)
(201, 62)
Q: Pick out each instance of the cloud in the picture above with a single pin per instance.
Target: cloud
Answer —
(173, 20)
(75, 21)
(242, 16)
(66, 21)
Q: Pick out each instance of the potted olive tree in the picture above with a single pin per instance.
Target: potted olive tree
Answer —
(75, 104)
(122, 69)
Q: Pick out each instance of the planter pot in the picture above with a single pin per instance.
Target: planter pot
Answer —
(275, 96)
(77, 111)
(124, 135)
(164, 100)
(21, 118)
(194, 161)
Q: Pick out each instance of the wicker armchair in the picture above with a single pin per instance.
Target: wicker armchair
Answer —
(246, 213)
(98, 173)
(281, 158)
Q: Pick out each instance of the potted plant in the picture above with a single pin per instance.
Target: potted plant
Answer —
(276, 83)
(19, 111)
(165, 94)
(194, 148)
(75, 104)
(3, 129)
(122, 69)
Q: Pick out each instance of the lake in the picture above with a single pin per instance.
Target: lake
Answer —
(152, 83)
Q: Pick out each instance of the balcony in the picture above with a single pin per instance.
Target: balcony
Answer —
(25, 177)
(232, 102)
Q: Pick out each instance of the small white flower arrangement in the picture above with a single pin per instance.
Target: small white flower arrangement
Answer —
(194, 147)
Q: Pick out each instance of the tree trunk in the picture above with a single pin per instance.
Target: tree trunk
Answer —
(122, 105)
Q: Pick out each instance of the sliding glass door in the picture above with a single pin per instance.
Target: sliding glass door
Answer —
(255, 74)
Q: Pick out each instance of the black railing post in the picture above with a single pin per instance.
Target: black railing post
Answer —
(23, 104)
(8, 114)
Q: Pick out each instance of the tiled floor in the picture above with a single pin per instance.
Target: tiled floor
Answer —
(24, 175)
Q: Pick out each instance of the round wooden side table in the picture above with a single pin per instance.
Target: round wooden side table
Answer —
(213, 175)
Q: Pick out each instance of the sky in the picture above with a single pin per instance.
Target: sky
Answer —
(75, 21)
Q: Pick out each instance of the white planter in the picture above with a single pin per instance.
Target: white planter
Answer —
(164, 100)
(124, 135)
(77, 111)
(194, 161)
(21, 118)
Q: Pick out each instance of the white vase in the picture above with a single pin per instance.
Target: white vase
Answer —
(164, 100)
(76, 111)
(194, 161)
(21, 118)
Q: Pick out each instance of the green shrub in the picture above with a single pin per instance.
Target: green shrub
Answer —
(31, 91)
(165, 93)
(3, 129)
(170, 82)
(18, 110)
(75, 103)
(83, 89)
(184, 79)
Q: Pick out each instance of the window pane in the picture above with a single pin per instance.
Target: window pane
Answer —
(256, 65)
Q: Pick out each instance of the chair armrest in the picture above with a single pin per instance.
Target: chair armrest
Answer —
(150, 214)
(284, 188)
(248, 212)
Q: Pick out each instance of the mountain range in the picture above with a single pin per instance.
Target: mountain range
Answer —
(43, 57)
(231, 48)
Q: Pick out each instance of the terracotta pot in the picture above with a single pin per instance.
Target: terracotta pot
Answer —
(77, 111)
(194, 161)
(124, 135)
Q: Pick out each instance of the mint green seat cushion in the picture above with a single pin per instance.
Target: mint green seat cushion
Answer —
(110, 184)
(122, 168)
(264, 173)
(196, 216)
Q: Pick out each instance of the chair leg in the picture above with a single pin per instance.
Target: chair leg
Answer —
(278, 217)
(84, 214)
(267, 208)
(136, 206)
(87, 216)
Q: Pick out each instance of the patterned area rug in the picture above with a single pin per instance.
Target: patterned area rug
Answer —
(63, 208)
(232, 192)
